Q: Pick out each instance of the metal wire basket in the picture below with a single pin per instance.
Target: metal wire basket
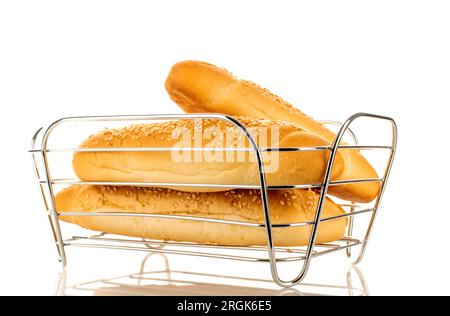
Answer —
(48, 185)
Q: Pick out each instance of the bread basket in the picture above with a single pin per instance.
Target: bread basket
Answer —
(45, 147)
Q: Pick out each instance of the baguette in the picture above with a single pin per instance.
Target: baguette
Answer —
(199, 167)
(288, 206)
(199, 87)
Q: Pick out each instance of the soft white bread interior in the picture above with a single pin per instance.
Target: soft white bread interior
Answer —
(199, 87)
(287, 206)
(212, 166)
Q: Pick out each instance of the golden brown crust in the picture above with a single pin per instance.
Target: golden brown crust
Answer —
(212, 167)
(201, 87)
(288, 206)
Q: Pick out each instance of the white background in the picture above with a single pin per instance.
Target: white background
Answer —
(329, 58)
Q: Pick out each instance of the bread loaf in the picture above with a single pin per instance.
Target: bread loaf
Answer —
(287, 206)
(201, 87)
(198, 167)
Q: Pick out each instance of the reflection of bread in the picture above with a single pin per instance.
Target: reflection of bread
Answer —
(288, 206)
(201, 87)
(219, 167)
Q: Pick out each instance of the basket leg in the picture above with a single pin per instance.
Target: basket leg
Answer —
(315, 226)
(47, 195)
(268, 225)
(53, 215)
(58, 239)
(320, 204)
(310, 249)
(363, 248)
(351, 221)
(306, 261)
(387, 172)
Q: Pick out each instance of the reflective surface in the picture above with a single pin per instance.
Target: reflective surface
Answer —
(151, 280)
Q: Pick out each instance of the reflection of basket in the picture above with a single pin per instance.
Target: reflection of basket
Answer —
(48, 182)
(171, 282)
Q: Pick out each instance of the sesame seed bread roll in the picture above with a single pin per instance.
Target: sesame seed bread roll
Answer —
(215, 167)
(199, 87)
(288, 206)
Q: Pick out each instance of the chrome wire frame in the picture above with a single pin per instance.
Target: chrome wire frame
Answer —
(46, 184)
